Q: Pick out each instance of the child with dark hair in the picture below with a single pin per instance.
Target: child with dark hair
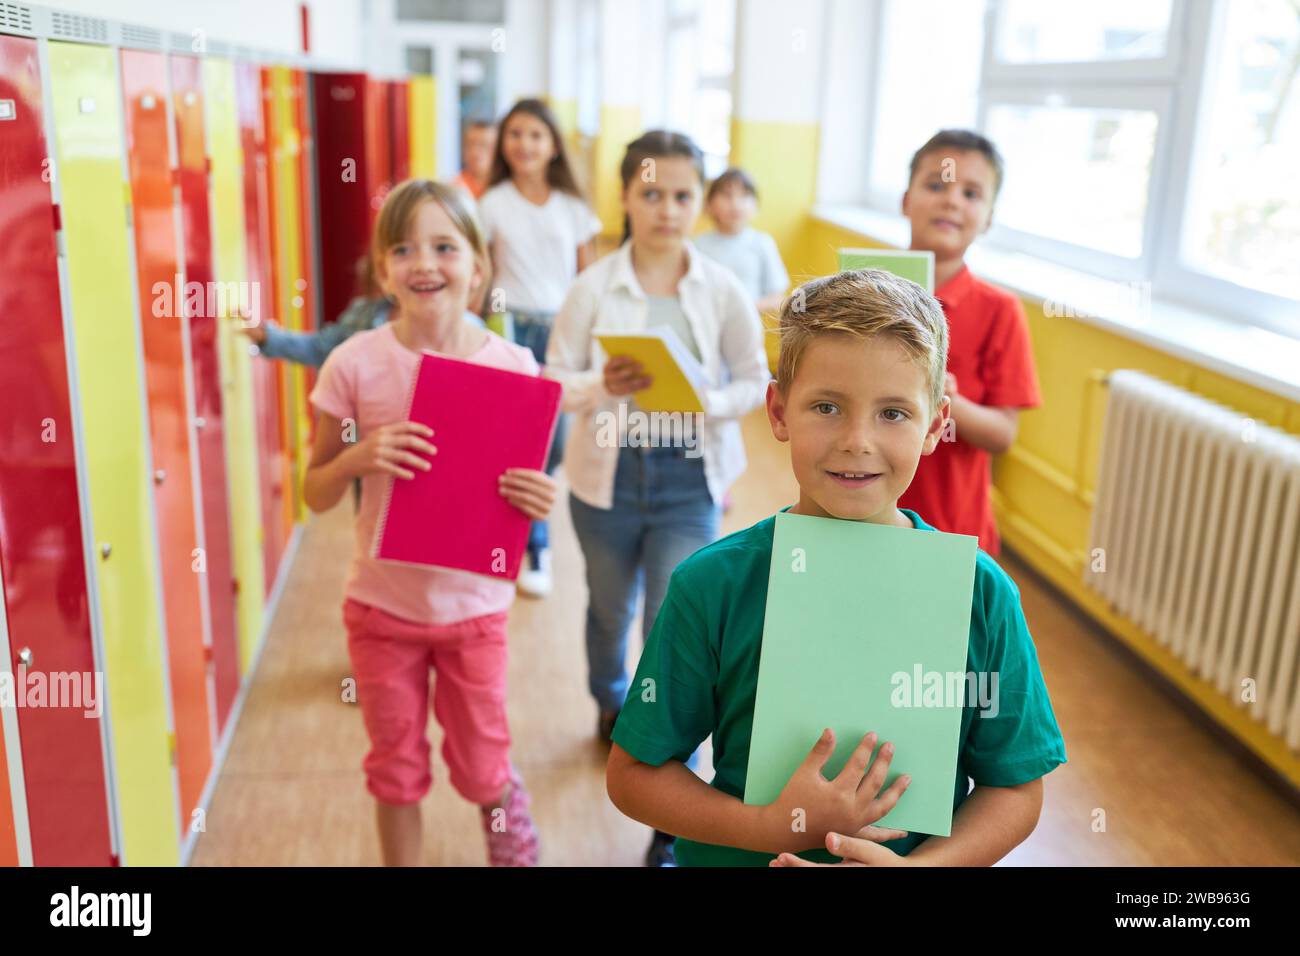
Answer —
(955, 178)
(731, 202)
(540, 233)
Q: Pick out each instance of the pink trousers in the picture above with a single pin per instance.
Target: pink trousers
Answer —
(391, 661)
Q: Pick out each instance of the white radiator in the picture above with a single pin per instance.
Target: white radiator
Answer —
(1196, 524)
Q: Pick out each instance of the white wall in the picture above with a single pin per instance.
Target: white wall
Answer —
(522, 70)
(271, 25)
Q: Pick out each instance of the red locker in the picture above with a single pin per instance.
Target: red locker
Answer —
(144, 92)
(346, 182)
(40, 517)
(191, 150)
(272, 460)
(309, 231)
(399, 117)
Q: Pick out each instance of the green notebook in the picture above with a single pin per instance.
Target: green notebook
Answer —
(866, 629)
(914, 264)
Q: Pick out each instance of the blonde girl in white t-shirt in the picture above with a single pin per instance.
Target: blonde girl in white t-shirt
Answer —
(541, 233)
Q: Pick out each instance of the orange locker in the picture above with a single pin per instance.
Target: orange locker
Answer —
(162, 301)
(209, 424)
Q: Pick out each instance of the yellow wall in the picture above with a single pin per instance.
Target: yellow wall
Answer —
(619, 125)
(1044, 487)
(782, 158)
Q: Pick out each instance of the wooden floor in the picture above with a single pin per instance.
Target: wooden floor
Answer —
(292, 792)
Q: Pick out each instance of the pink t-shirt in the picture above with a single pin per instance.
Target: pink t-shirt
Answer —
(368, 379)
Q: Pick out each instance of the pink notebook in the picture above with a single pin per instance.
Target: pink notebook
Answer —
(484, 421)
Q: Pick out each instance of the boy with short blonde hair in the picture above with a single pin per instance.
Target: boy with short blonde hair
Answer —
(859, 398)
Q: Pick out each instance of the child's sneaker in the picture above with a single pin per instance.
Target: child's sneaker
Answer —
(511, 836)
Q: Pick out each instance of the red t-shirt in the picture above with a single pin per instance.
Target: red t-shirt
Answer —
(989, 352)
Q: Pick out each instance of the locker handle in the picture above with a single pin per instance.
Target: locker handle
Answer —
(25, 657)
(160, 476)
(200, 421)
(105, 550)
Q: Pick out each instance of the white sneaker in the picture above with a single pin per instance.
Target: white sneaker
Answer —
(535, 578)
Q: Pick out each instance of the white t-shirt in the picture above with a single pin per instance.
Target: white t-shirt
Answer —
(534, 248)
(752, 256)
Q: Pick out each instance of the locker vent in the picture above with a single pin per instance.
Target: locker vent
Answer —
(217, 48)
(79, 28)
(14, 16)
(184, 42)
(141, 37)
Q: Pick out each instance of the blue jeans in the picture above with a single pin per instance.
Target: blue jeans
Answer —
(532, 330)
(662, 515)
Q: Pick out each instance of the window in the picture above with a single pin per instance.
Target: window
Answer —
(1243, 221)
(1078, 100)
(910, 106)
(1030, 31)
(700, 44)
(1075, 174)
(1144, 140)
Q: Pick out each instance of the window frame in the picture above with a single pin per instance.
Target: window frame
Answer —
(1176, 87)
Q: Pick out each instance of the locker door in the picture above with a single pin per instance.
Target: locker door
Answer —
(280, 295)
(338, 101)
(42, 559)
(236, 362)
(144, 92)
(13, 813)
(378, 144)
(261, 276)
(424, 147)
(8, 831)
(209, 422)
(307, 224)
(286, 145)
(399, 122)
(88, 137)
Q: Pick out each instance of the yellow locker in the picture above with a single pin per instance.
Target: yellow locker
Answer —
(286, 146)
(236, 362)
(106, 344)
(424, 144)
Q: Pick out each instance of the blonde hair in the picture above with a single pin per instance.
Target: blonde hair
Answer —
(865, 303)
(398, 212)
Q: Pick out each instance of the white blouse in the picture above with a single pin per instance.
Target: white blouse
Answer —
(725, 323)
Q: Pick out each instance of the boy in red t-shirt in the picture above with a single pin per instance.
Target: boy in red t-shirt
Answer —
(955, 178)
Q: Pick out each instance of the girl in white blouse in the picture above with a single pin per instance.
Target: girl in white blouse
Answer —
(643, 498)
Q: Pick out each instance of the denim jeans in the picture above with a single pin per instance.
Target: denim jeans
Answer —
(662, 515)
(532, 330)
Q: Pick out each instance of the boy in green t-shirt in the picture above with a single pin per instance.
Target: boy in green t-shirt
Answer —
(859, 398)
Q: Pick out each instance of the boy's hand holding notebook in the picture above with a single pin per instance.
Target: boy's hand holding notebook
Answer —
(678, 382)
(486, 420)
(866, 630)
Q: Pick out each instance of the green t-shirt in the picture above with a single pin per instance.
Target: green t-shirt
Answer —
(703, 658)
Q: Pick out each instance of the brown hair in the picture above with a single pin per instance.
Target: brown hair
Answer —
(865, 303)
(657, 144)
(961, 140)
(395, 217)
(559, 174)
(733, 175)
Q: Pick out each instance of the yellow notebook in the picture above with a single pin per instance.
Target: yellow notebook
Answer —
(679, 383)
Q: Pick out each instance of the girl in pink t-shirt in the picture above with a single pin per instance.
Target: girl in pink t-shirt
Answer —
(403, 620)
